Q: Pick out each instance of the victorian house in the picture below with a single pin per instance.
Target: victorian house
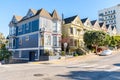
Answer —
(73, 28)
(35, 35)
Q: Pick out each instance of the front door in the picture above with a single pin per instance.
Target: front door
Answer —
(32, 56)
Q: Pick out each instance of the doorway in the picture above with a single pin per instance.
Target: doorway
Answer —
(32, 56)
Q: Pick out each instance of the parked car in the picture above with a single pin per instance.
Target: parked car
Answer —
(106, 52)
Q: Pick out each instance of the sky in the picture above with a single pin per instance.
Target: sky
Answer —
(83, 8)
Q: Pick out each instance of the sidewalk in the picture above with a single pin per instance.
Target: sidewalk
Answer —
(78, 59)
(69, 60)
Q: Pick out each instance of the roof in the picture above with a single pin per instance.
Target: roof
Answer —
(44, 13)
(113, 27)
(18, 18)
(83, 20)
(93, 22)
(101, 24)
(55, 15)
(70, 19)
(107, 26)
(34, 11)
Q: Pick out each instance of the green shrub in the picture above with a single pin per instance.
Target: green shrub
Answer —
(48, 53)
(63, 53)
(75, 54)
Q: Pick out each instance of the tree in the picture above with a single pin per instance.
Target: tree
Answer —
(95, 38)
(2, 39)
(117, 39)
(107, 40)
(113, 42)
(4, 53)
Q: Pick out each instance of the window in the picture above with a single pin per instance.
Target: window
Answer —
(10, 43)
(14, 42)
(106, 18)
(71, 30)
(30, 14)
(20, 54)
(59, 41)
(26, 27)
(12, 30)
(75, 42)
(54, 26)
(87, 23)
(114, 16)
(20, 29)
(113, 11)
(59, 26)
(54, 40)
(27, 38)
(20, 41)
(71, 42)
(48, 40)
(105, 12)
(35, 25)
(75, 31)
(114, 21)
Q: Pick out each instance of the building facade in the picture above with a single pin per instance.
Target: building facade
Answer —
(110, 16)
(74, 30)
(35, 35)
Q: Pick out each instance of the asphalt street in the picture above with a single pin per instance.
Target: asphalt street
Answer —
(99, 68)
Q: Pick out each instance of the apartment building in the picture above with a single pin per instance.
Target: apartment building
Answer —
(35, 35)
(110, 16)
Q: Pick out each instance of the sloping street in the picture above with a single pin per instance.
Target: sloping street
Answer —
(96, 68)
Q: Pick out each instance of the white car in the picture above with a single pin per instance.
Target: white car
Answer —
(106, 52)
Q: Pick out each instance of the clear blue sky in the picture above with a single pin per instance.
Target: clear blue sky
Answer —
(84, 8)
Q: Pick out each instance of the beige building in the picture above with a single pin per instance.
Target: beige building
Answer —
(73, 28)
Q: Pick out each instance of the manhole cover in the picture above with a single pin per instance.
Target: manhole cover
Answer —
(38, 75)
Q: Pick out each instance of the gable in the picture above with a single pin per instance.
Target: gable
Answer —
(69, 19)
(96, 25)
(77, 21)
(109, 28)
(88, 23)
(31, 12)
(55, 15)
(14, 20)
(44, 13)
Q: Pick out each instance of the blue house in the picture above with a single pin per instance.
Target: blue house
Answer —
(36, 35)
